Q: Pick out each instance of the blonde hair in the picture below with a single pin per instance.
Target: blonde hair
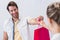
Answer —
(53, 12)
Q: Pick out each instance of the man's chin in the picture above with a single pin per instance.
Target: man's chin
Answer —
(15, 17)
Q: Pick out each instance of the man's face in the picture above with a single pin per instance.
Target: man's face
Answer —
(13, 10)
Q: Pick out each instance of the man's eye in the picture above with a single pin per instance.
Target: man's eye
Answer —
(14, 9)
(11, 10)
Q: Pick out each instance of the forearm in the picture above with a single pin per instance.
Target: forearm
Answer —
(5, 36)
(32, 21)
(35, 21)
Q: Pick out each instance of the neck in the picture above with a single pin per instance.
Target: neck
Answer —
(15, 19)
(56, 28)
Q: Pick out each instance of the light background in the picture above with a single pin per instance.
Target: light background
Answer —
(32, 8)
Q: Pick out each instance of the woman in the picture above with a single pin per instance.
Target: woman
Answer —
(53, 14)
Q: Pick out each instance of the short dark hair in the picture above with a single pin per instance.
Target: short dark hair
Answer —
(11, 3)
(53, 12)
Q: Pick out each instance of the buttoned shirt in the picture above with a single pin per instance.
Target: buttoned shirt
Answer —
(22, 27)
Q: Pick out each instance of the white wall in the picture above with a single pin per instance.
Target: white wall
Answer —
(31, 8)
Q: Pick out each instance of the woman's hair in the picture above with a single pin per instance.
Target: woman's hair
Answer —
(53, 12)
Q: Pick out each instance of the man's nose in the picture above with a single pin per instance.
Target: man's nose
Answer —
(14, 12)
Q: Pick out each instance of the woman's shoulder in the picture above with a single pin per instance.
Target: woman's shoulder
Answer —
(56, 36)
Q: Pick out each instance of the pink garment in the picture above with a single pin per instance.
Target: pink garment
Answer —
(41, 34)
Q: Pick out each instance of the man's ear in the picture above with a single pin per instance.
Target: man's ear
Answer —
(9, 11)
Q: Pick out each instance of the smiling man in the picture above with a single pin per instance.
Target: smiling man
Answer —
(16, 28)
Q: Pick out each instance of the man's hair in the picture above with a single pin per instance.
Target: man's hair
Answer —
(11, 3)
(53, 12)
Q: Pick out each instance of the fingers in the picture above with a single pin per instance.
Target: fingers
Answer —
(40, 18)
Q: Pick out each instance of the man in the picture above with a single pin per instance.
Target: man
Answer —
(16, 22)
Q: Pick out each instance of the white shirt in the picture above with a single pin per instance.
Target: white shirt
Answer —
(22, 27)
(1, 33)
(56, 37)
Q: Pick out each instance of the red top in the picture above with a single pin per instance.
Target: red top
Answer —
(41, 34)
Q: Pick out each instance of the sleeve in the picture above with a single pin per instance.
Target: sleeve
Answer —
(29, 19)
(5, 26)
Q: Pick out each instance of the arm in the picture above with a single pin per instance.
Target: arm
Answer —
(35, 21)
(32, 21)
(5, 36)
